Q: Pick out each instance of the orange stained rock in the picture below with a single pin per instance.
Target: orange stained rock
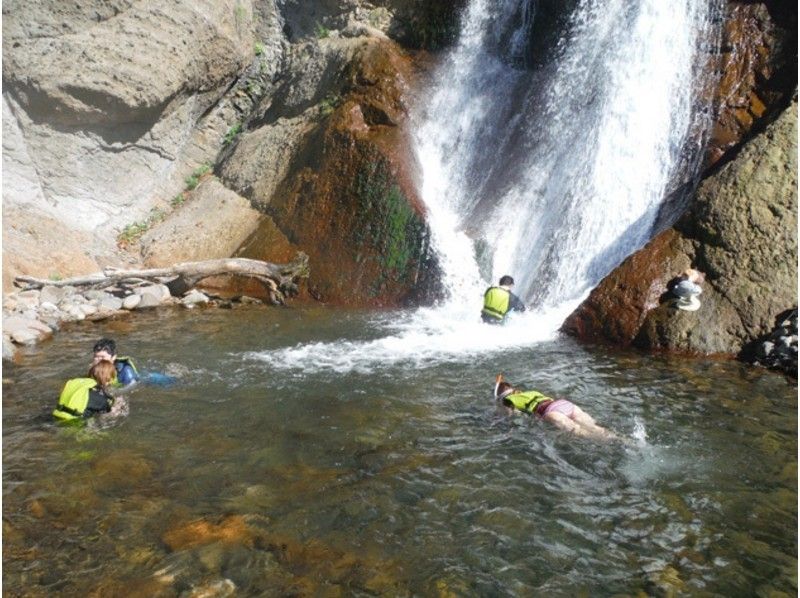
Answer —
(231, 530)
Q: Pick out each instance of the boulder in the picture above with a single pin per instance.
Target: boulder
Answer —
(194, 297)
(192, 233)
(131, 301)
(741, 231)
(757, 59)
(348, 199)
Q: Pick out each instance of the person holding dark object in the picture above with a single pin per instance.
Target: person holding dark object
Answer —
(499, 300)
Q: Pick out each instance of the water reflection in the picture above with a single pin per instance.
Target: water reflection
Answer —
(256, 480)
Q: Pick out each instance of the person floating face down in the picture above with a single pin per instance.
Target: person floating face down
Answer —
(499, 300)
(560, 412)
(82, 398)
(106, 350)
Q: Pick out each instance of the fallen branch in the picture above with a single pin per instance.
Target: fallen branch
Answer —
(280, 279)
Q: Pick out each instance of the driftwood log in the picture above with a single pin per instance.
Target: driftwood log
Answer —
(279, 279)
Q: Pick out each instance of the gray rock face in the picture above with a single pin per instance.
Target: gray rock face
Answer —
(121, 82)
(195, 231)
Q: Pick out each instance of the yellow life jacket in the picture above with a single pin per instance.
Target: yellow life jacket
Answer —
(527, 401)
(495, 302)
(74, 398)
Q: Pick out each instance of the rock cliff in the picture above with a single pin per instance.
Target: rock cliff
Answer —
(741, 230)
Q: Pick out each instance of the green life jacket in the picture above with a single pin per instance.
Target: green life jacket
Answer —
(74, 398)
(527, 401)
(495, 302)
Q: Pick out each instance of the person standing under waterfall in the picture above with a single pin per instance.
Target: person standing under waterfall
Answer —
(499, 300)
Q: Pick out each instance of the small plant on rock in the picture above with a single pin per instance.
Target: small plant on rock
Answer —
(322, 31)
(258, 49)
(232, 133)
(194, 179)
(328, 104)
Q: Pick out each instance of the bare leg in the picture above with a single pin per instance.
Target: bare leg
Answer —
(565, 423)
(580, 423)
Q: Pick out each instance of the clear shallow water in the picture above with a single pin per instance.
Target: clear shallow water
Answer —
(322, 452)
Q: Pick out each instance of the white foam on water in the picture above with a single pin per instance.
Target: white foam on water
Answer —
(421, 339)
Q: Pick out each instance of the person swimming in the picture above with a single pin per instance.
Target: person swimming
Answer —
(83, 398)
(562, 413)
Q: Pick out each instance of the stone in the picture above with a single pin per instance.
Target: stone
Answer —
(8, 348)
(52, 294)
(131, 301)
(48, 307)
(110, 303)
(88, 309)
(148, 299)
(25, 336)
(16, 323)
(231, 530)
(28, 299)
(194, 297)
(214, 589)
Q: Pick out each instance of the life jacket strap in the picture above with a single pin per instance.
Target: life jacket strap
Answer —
(69, 410)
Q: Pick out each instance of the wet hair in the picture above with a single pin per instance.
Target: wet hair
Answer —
(506, 280)
(103, 371)
(107, 345)
(503, 390)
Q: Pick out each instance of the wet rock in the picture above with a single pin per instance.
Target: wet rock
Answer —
(758, 70)
(121, 469)
(194, 297)
(741, 231)
(231, 530)
(349, 199)
(216, 589)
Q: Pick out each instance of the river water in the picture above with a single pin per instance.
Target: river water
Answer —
(322, 452)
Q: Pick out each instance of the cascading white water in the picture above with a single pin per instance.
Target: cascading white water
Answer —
(552, 173)
(558, 172)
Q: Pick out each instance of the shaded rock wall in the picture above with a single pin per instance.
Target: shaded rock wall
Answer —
(741, 231)
(757, 65)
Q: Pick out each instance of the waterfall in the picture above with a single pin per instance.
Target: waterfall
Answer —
(545, 156)
(551, 167)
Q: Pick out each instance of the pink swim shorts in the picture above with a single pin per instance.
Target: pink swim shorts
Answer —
(560, 406)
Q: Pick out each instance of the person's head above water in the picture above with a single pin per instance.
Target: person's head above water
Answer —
(106, 349)
(103, 371)
(506, 281)
(501, 388)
